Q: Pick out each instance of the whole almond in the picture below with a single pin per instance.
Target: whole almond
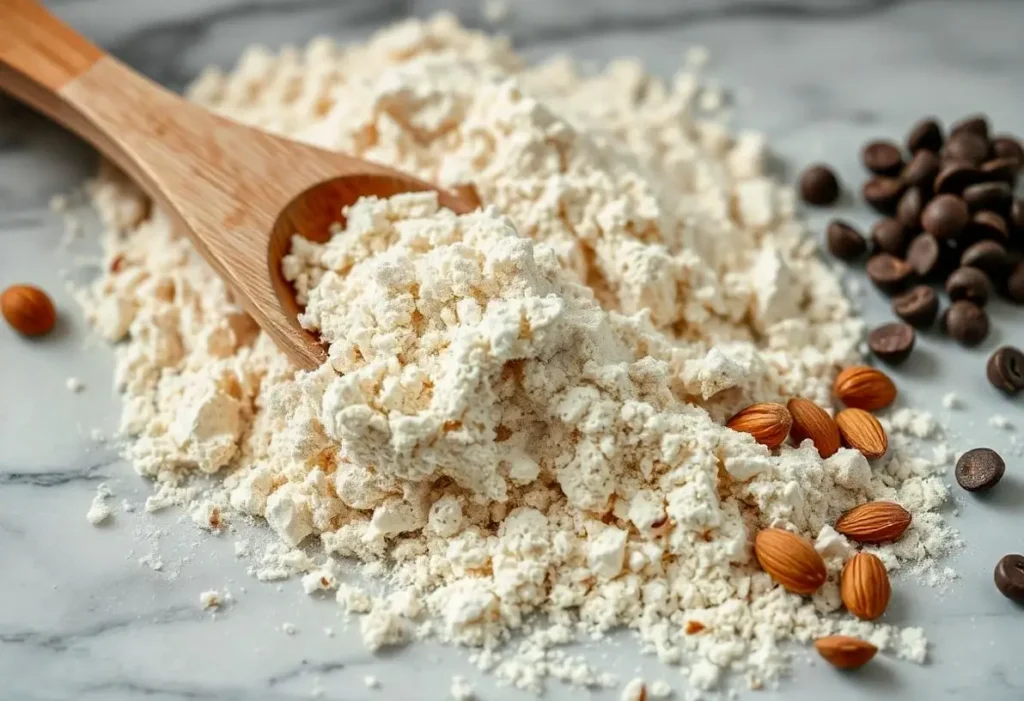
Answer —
(865, 587)
(768, 423)
(874, 522)
(863, 387)
(811, 421)
(844, 652)
(861, 431)
(790, 560)
(28, 310)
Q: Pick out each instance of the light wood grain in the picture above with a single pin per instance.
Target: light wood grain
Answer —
(238, 192)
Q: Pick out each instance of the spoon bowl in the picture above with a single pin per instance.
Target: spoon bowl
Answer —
(313, 212)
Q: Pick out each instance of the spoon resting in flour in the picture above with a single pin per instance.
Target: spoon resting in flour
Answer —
(238, 192)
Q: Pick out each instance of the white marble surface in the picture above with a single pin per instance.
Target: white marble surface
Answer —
(81, 619)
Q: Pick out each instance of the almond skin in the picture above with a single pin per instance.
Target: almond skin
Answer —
(844, 652)
(874, 522)
(768, 423)
(28, 310)
(811, 421)
(865, 586)
(861, 431)
(863, 387)
(790, 560)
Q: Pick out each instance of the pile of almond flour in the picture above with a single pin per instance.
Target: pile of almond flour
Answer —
(520, 427)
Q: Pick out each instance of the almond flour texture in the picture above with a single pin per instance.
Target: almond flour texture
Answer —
(520, 429)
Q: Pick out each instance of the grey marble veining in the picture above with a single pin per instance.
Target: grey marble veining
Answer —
(81, 618)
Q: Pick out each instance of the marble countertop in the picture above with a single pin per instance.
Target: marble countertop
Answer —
(81, 619)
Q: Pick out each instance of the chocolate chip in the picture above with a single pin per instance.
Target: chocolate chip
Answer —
(969, 284)
(955, 176)
(1005, 369)
(925, 135)
(925, 256)
(966, 146)
(1014, 286)
(966, 323)
(989, 257)
(1004, 146)
(922, 169)
(1002, 170)
(994, 197)
(945, 217)
(844, 242)
(819, 185)
(892, 342)
(882, 157)
(988, 225)
(908, 211)
(889, 273)
(976, 124)
(890, 236)
(918, 307)
(979, 469)
(883, 193)
(1009, 577)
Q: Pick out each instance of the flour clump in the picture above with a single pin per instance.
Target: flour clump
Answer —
(523, 408)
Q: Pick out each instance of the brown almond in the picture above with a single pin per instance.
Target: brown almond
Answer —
(861, 431)
(874, 522)
(863, 387)
(28, 310)
(811, 421)
(790, 560)
(865, 587)
(845, 652)
(768, 423)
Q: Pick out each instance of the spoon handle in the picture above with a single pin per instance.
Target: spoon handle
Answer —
(49, 66)
(43, 50)
(217, 180)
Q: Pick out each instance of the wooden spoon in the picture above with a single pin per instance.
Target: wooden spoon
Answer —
(240, 193)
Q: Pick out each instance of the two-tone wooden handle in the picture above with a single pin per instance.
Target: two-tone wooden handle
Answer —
(40, 48)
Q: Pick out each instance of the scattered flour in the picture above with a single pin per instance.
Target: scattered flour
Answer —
(462, 690)
(1001, 422)
(74, 385)
(100, 510)
(635, 690)
(211, 599)
(523, 408)
(371, 682)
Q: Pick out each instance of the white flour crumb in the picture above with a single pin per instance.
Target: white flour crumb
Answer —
(127, 506)
(920, 424)
(659, 689)
(97, 435)
(635, 690)
(461, 689)
(329, 632)
(289, 629)
(950, 400)
(211, 599)
(371, 682)
(519, 435)
(495, 11)
(100, 509)
(153, 561)
(1001, 422)
(74, 385)
(59, 203)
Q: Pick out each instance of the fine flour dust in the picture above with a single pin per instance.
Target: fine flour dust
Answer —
(520, 427)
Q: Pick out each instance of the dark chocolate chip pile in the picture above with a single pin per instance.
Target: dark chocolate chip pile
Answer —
(950, 219)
